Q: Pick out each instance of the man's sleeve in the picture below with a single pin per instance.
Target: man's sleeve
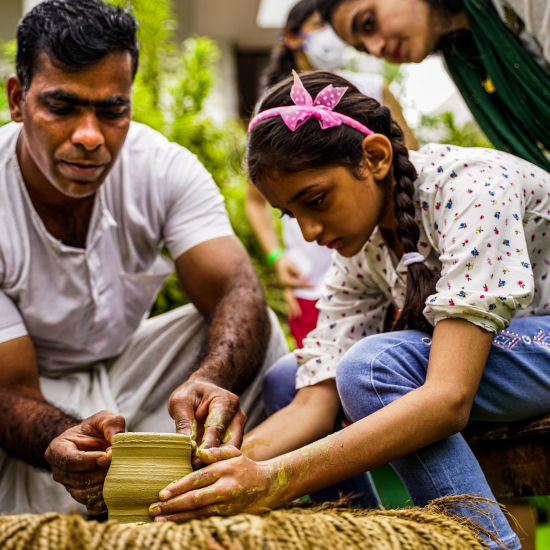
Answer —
(194, 205)
(11, 322)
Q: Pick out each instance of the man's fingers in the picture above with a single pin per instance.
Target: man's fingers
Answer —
(102, 426)
(182, 410)
(88, 496)
(216, 423)
(67, 459)
(79, 480)
(234, 433)
(111, 425)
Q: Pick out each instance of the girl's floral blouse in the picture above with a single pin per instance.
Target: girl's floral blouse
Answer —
(484, 216)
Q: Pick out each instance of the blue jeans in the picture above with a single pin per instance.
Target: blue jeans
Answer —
(515, 385)
(278, 391)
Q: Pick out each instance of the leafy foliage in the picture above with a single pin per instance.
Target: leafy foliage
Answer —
(443, 129)
(7, 64)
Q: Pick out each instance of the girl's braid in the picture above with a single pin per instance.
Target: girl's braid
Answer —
(420, 280)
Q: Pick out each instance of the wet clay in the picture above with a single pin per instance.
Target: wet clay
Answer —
(142, 464)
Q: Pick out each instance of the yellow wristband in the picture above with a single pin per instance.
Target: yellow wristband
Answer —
(274, 255)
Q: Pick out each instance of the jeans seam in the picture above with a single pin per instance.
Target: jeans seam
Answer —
(372, 367)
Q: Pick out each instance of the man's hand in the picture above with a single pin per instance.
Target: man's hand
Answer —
(81, 455)
(210, 415)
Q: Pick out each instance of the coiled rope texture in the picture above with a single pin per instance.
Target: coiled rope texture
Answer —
(321, 527)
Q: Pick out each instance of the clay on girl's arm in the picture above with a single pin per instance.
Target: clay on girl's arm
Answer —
(286, 430)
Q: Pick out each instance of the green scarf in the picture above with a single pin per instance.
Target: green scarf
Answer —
(516, 115)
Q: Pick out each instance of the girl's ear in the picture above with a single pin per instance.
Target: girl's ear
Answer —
(378, 155)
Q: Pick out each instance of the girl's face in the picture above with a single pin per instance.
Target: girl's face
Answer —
(332, 206)
(400, 31)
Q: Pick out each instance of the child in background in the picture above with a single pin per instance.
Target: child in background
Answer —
(453, 238)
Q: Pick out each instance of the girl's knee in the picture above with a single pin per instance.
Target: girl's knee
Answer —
(379, 369)
(279, 384)
(354, 383)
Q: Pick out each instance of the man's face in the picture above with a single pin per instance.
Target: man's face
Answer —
(400, 31)
(74, 124)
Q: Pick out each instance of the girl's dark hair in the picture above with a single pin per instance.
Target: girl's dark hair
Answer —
(326, 7)
(282, 57)
(274, 149)
(74, 35)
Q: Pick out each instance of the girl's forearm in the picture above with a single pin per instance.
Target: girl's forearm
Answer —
(425, 415)
(409, 423)
(309, 417)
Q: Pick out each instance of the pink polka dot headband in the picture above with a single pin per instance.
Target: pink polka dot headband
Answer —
(304, 108)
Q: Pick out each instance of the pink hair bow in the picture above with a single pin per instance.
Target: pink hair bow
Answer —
(304, 108)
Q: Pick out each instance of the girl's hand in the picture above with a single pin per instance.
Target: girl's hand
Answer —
(231, 484)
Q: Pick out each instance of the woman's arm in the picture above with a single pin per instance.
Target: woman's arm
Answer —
(432, 412)
(262, 223)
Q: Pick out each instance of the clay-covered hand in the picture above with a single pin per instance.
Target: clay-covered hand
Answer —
(209, 414)
(231, 484)
(81, 455)
(289, 274)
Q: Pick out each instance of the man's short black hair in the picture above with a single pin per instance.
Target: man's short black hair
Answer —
(74, 34)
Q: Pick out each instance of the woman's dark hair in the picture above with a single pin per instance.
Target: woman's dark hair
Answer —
(449, 7)
(74, 34)
(282, 57)
(274, 149)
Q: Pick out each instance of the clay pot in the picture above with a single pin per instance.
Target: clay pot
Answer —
(142, 464)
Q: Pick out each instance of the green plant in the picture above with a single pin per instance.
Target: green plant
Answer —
(7, 64)
(444, 129)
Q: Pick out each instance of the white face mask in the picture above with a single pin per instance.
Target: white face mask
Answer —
(324, 49)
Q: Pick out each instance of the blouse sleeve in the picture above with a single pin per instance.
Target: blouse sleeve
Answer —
(477, 224)
(351, 307)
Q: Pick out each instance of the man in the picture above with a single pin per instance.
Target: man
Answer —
(87, 199)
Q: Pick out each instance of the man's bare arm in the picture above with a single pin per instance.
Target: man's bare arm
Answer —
(44, 436)
(220, 280)
(28, 422)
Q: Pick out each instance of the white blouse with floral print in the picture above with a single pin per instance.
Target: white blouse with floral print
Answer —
(483, 217)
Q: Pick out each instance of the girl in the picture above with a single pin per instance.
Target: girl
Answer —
(496, 51)
(453, 239)
(306, 43)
